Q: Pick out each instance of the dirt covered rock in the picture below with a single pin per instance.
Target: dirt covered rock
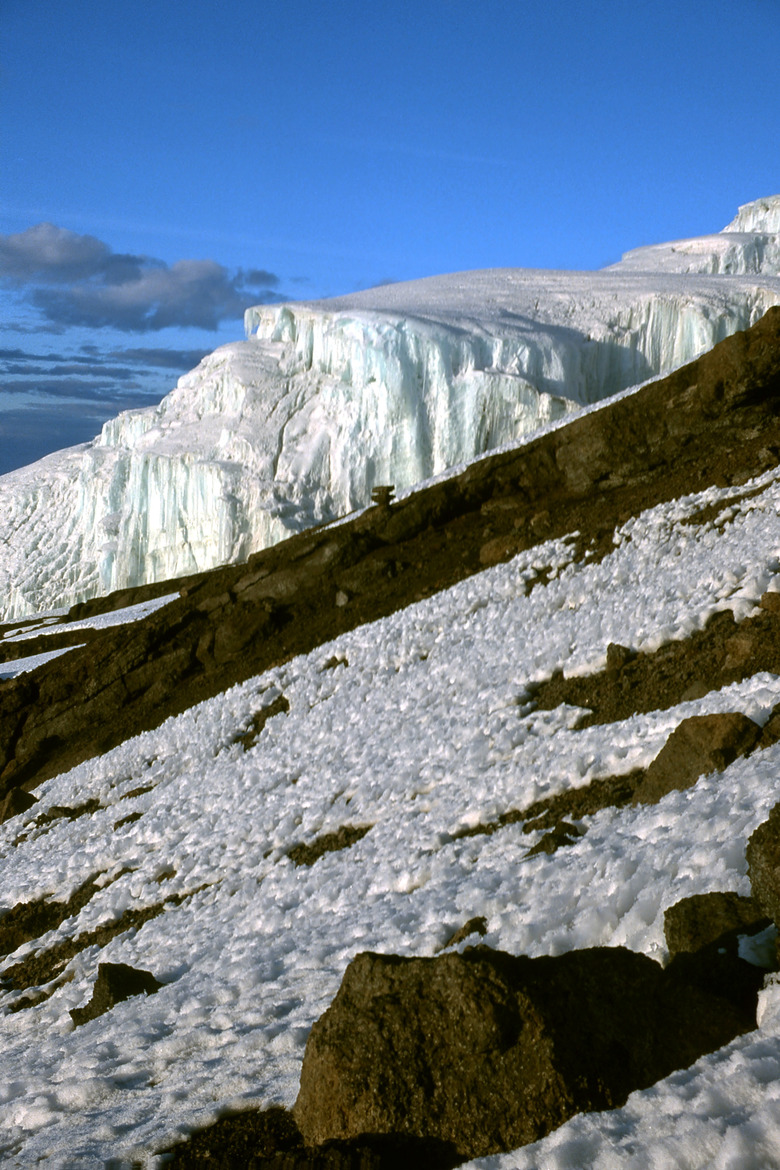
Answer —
(703, 934)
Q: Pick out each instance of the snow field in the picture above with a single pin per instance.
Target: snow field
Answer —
(426, 730)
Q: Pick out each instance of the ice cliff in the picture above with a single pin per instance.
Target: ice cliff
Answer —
(325, 399)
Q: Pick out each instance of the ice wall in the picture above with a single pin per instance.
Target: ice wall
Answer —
(326, 399)
(762, 215)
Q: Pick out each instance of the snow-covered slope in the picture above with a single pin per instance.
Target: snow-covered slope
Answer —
(418, 726)
(392, 385)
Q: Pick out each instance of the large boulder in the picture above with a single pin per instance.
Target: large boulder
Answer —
(488, 1051)
(15, 802)
(700, 745)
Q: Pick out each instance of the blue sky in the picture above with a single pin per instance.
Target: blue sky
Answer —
(165, 165)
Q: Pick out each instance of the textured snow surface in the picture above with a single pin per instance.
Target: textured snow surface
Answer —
(392, 385)
(422, 727)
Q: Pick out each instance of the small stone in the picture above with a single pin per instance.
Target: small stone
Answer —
(540, 523)
(618, 656)
(383, 495)
(562, 834)
(473, 926)
(697, 690)
(701, 919)
(342, 599)
(771, 731)
(499, 549)
(740, 650)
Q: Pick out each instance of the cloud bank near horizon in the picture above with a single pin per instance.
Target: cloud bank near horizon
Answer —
(78, 280)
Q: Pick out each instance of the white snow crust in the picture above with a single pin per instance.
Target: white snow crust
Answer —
(393, 385)
(423, 727)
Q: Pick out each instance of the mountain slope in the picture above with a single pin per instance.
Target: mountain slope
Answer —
(715, 420)
(392, 385)
(175, 851)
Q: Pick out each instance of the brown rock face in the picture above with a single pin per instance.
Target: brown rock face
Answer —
(763, 857)
(488, 1051)
(701, 744)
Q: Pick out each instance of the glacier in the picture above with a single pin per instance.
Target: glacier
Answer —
(323, 400)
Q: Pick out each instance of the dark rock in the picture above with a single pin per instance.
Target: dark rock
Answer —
(741, 649)
(703, 935)
(334, 661)
(29, 920)
(17, 801)
(279, 706)
(697, 690)
(500, 548)
(677, 672)
(342, 838)
(562, 834)
(115, 982)
(59, 812)
(770, 602)
(763, 858)
(383, 495)
(771, 730)
(695, 922)
(473, 926)
(489, 1051)
(540, 523)
(128, 820)
(618, 656)
(700, 745)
